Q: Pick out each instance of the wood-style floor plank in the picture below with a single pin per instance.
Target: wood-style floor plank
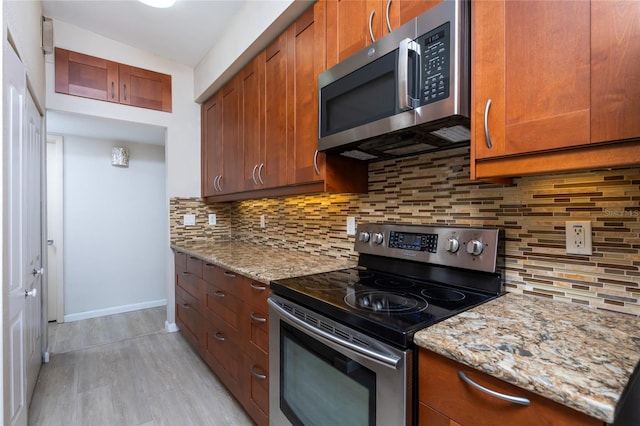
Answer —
(126, 370)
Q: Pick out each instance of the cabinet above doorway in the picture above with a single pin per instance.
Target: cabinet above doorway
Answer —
(96, 78)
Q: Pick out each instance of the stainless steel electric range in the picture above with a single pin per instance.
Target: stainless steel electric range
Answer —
(341, 342)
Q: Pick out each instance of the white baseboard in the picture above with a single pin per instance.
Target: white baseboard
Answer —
(170, 327)
(114, 310)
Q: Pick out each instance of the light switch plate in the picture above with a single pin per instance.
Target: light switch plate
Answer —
(189, 220)
(351, 225)
(212, 219)
(578, 237)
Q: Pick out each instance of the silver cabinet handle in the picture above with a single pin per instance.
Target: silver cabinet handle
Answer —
(260, 173)
(405, 100)
(218, 294)
(373, 12)
(218, 336)
(487, 138)
(257, 319)
(253, 174)
(113, 90)
(388, 21)
(229, 274)
(514, 399)
(220, 183)
(256, 374)
(215, 182)
(125, 92)
(315, 162)
(186, 306)
(258, 287)
(185, 273)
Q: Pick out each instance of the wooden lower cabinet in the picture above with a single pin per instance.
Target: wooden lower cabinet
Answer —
(445, 400)
(224, 317)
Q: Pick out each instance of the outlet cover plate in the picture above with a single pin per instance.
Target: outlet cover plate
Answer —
(262, 221)
(578, 237)
(189, 220)
(213, 219)
(351, 225)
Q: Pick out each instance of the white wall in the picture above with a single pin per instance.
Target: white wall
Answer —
(182, 143)
(113, 221)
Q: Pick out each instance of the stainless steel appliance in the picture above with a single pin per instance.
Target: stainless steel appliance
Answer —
(341, 345)
(405, 94)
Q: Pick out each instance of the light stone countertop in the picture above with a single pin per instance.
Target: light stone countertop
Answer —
(574, 355)
(259, 262)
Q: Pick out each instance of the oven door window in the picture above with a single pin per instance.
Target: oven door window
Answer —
(320, 386)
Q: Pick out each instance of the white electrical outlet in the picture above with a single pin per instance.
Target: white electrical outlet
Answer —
(351, 225)
(262, 222)
(578, 237)
(189, 220)
(212, 219)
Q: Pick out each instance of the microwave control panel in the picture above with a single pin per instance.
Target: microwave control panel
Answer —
(435, 63)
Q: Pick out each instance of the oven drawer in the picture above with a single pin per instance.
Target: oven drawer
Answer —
(441, 389)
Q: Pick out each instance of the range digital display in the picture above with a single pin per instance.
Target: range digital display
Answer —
(413, 241)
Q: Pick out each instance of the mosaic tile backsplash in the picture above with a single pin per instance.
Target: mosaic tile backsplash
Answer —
(435, 189)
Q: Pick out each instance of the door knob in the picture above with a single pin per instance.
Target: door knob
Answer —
(37, 272)
(49, 242)
(32, 293)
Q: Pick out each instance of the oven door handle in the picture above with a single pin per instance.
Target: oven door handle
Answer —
(388, 360)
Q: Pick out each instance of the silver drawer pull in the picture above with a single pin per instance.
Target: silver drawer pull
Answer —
(218, 336)
(487, 137)
(514, 399)
(257, 319)
(185, 273)
(258, 287)
(218, 294)
(186, 306)
(256, 374)
(229, 274)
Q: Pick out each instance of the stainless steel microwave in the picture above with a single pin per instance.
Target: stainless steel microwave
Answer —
(405, 94)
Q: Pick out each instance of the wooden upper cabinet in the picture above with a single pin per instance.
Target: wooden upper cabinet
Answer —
(351, 23)
(615, 70)
(90, 77)
(252, 106)
(232, 179)
(306, 61)
(531, 65)
(549, 79)
(144, 88)
(211, 145)
(276, 120)
(86, 76)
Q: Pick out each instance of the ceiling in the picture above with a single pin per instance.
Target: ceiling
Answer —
(183, 33)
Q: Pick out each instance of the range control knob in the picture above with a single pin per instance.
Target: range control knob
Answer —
(474, 247)
(452, 245)
(378, 238)
(364, 237)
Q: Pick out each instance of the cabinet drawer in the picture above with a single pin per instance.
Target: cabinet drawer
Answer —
(256, 294)
(194, 266)
(220, 303)
(257, 330)
(187, 298)
(191, 283)
(441, 389)
(256, 388)
(189, 321)
(181, 262)
(222, 354)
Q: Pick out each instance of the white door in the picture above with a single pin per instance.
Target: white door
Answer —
(15, 95)
(32, 189)
(23, 247)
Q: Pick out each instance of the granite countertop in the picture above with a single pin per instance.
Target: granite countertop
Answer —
(574, 355)
(261, 263)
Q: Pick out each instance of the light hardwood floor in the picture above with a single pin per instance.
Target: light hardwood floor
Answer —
(126, 370)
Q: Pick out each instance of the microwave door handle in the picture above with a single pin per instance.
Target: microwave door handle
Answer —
(405, 100)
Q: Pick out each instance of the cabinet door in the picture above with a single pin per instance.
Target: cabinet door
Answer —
(144, 88)
(86, 76)
(531, 74)
(348, 23)
(615, 70)
(211, 144)
(306, 47)
(252, 104)
(274, 172)
(232, 179)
